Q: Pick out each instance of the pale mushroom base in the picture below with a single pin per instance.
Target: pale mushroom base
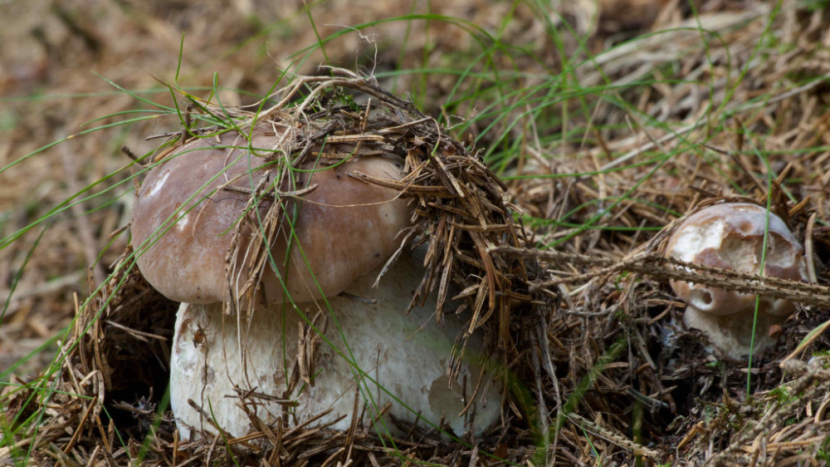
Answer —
(732, 334)
(404, 359)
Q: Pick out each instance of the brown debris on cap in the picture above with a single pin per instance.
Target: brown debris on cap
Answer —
(395, 152)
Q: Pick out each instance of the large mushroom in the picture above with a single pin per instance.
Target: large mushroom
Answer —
(731, 236)
(319, 296)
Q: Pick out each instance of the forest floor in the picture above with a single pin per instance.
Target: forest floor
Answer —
(606, 120)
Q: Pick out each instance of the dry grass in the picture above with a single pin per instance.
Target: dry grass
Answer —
(601, 144)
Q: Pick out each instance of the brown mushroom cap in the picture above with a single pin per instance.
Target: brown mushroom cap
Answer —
(731, 236)
(345, 227)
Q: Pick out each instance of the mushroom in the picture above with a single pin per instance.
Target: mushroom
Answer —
(731, 236)
(356, 339)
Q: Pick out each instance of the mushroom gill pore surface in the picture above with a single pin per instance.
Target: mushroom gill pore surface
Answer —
(399, 358)
(731, 236)
(188, 205)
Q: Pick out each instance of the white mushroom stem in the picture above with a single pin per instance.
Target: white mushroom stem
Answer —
(732, 334)
(399, 359)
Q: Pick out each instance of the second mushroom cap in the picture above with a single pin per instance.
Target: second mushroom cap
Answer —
(731, 236)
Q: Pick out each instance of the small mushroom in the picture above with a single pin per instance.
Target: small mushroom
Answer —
(731, 236)
(344, 231)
